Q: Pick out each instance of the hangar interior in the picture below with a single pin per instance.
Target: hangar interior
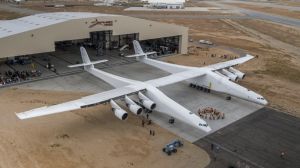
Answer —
(104, 41)
(111, 43)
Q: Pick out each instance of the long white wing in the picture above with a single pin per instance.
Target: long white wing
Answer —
(193, 73)
(230, 63)
(174, 78)
(80, 103)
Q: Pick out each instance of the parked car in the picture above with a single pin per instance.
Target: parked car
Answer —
(172, 147)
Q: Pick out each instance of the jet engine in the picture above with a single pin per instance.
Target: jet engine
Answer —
(119, 112)
(238, 73)
(230, 75)
(146, 102)
(133, 107)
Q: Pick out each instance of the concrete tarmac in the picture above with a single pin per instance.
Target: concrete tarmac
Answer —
(256, 141)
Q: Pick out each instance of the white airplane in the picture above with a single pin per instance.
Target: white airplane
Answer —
(147, 93)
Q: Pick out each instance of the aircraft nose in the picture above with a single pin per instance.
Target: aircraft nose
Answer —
(262, 102)
(208, 129)
(265, 102)
(205, 127)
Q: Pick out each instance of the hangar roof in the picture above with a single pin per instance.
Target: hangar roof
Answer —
(39, 33)
(11, 27)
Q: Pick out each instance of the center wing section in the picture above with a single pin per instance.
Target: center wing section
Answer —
(81, 103)
(177, 77)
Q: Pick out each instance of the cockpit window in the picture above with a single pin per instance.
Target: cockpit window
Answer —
(205, 125)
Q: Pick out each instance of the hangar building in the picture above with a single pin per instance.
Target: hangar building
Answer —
(46, 32)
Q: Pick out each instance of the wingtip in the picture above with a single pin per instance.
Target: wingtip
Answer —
(21, 116)
(70, 66)
(250, 56)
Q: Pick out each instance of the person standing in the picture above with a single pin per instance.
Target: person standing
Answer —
(282, 154)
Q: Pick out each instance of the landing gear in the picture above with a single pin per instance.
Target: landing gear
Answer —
(171, 120)
(199, 87)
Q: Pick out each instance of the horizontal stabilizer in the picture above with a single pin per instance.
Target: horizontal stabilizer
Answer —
(140, 55)
(86, 64)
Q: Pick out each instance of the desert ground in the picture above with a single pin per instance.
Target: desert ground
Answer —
(85, 138)
(95, 137)
(6, 15)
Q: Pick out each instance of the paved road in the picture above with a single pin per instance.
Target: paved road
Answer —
(259, 15)
(257, 140)
(188, 16)
(266, 4)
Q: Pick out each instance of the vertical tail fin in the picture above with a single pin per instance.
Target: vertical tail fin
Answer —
(139, 53)
(85, 58)
(84, 55)
(137, 47)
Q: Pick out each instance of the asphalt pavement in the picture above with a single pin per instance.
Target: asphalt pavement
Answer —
(259, 15)
(256, 141)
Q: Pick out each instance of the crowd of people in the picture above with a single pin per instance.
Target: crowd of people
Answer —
(211, 113)
(9, 77)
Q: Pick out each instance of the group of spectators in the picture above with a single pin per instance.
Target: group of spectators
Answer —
(9, 77)
(211, 113)
(15, 76)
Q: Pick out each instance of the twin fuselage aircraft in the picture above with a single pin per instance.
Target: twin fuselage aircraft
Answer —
(137, 95)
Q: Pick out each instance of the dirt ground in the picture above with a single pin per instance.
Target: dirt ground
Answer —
(287, 34)
(278, 11)
(88, 138)
(4, 15)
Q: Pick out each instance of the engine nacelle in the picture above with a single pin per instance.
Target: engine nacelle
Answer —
(220, 74)
(238, 73)
(230, 75)
(146, 102)
(133, 107)
(119, 112)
